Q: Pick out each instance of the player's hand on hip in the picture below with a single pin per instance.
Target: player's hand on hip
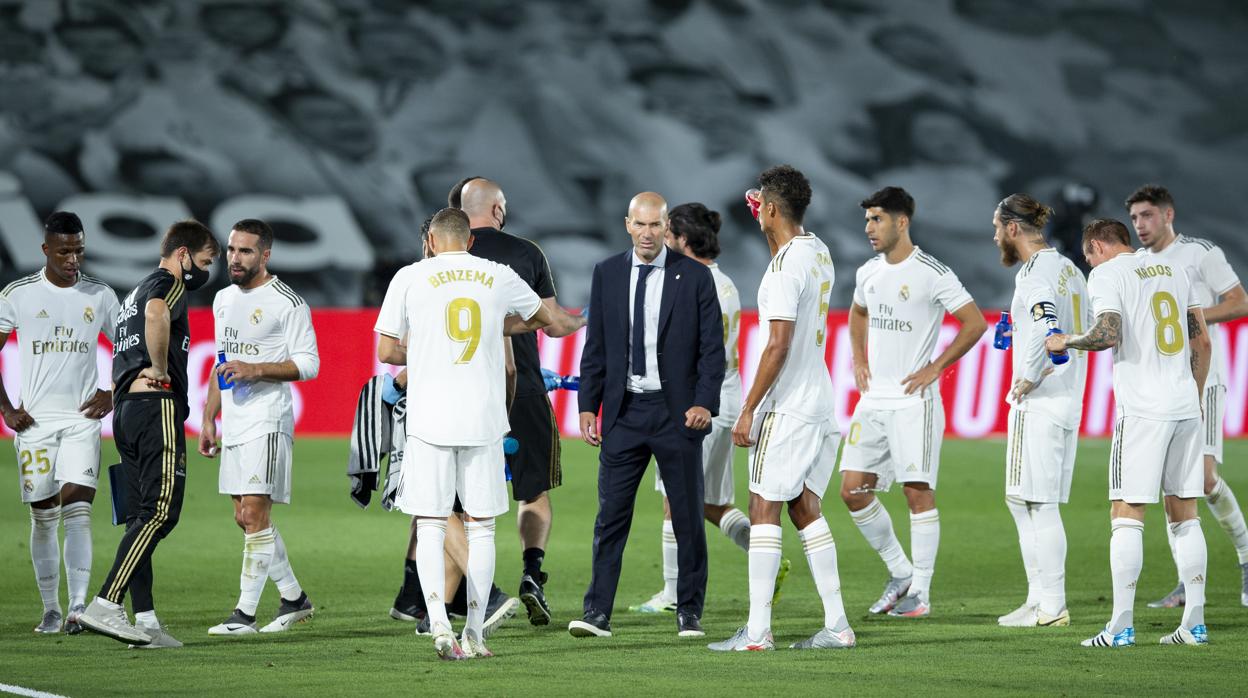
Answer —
(18, 419)
(741, 430)
(99, 405)
(697, 418)
(239, 371)
(1056, 343)
(155, 378)
(862, 377)
(589, 429)
(209, 445)
(1021, 387)
(919, 380)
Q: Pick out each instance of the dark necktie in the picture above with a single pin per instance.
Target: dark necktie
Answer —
(639, 320)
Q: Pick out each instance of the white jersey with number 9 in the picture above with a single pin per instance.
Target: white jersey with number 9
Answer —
(450, 310)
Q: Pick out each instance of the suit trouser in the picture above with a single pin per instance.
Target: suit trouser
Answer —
(150, 438)
(643, 429)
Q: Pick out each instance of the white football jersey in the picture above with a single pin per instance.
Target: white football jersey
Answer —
(798, 287)
(1211, 276)
(1050, 288)
(450, 310)
(906, 304)
(730, 305)
(58, 330)
(1152, 369)
(266, 324)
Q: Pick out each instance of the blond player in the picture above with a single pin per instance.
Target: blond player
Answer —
(1146, 311)
(443, 318)
(265, 331)
(1222, 296)
(1046, 404)
(900, 300)
(59, 314)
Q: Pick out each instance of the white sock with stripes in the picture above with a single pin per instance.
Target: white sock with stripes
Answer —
(1126, 558)
(480, 572)
(280, 571)
(1225, 508)
(1193, 561)
(924, 541)
(1027, 546)
(258, 551)
(765, 552)
(431, 568)
(1050, 557)
(820, 550)
(77, 521)
(736, 527)
(671, 573)
(46, 555)
(877, 527)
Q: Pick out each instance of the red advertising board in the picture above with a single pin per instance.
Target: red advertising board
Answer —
(973, 390)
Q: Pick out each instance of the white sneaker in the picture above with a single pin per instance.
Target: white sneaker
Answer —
(895, 589)
(827, 639)
(1022, 617)
(111, 622)
(742, 642)
(445, 645)
(160, 639)
(237, 624)
(473, 647)
(657, 604)
(1045, 620)
(289, 613)
(50, 623)
(1198, 635)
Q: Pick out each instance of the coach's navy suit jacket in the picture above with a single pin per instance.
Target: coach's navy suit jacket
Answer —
(690, 347)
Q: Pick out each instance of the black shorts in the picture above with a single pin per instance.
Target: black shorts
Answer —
(151, 439)
(536, 467)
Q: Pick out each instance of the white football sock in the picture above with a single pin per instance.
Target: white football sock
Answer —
(821, 556)
(1126, 558)
(1174, 555)
(280, 572)
(924, 541)
(77, 521)
(431, 568)
(480, 572)
(1050, 556)
(877, 527)
(1027, 546)
(46, 556)
(671, 573)
(147, 619)
(736, 527)
(258, 551)
(1193, 560)
(765, 552)
(1226, 510)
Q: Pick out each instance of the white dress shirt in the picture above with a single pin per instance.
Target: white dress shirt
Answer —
(654, 293)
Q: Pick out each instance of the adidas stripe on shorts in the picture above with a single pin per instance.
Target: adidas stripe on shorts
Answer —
(259, 466)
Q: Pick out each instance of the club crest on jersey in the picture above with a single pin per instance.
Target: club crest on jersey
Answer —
(256, 316)
(88, 315)
(904, 293)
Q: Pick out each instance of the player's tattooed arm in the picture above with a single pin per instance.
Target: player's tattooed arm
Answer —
(1105, 334)
(1200, 348)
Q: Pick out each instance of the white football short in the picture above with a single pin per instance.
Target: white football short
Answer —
(1039, 458)
(717, 459)
(901, 445)
(1211, 425)
(50, 458)
(789, 455)
(259, 466)
(1148, 455)
(431, 476)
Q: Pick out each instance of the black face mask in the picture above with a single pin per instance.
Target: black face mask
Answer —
(194, 277)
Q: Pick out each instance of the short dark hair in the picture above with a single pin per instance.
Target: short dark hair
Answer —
(1106, 230)
(256, 227)
(1154, 194)
(788, 189)
(62, 223)
(450, 221)
(455, 198)
(1030, 214)
(893, 200)
(192, 235)
(699, 226)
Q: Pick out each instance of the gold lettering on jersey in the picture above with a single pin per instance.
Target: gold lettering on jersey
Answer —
(62, 342)
(233, 345)
(1153, 271)
(883, 320)
(469, 275)
(1063, 279)
(823, 259)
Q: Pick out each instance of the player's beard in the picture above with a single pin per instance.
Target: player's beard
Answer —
(1009, 253)
(248, 275)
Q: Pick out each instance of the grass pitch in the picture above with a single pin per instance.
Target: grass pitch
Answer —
(350, 562)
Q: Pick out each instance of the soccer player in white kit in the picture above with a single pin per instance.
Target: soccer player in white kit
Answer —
(1046, 404)
(693, 231)
(265, 330)
(787, 417)
(1146, 310)
(900, 299)
(59, 314)
(1222, 297)
(443, 317)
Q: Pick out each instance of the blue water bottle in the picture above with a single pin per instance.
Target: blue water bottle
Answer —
(221, 377)
(1058, 359)
(1002, 340)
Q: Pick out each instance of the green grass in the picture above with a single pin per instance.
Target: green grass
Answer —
(350, 563)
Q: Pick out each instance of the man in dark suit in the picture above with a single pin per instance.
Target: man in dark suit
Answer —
(653, 362)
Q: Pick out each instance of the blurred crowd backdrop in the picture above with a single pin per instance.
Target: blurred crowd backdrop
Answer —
(345, 122)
